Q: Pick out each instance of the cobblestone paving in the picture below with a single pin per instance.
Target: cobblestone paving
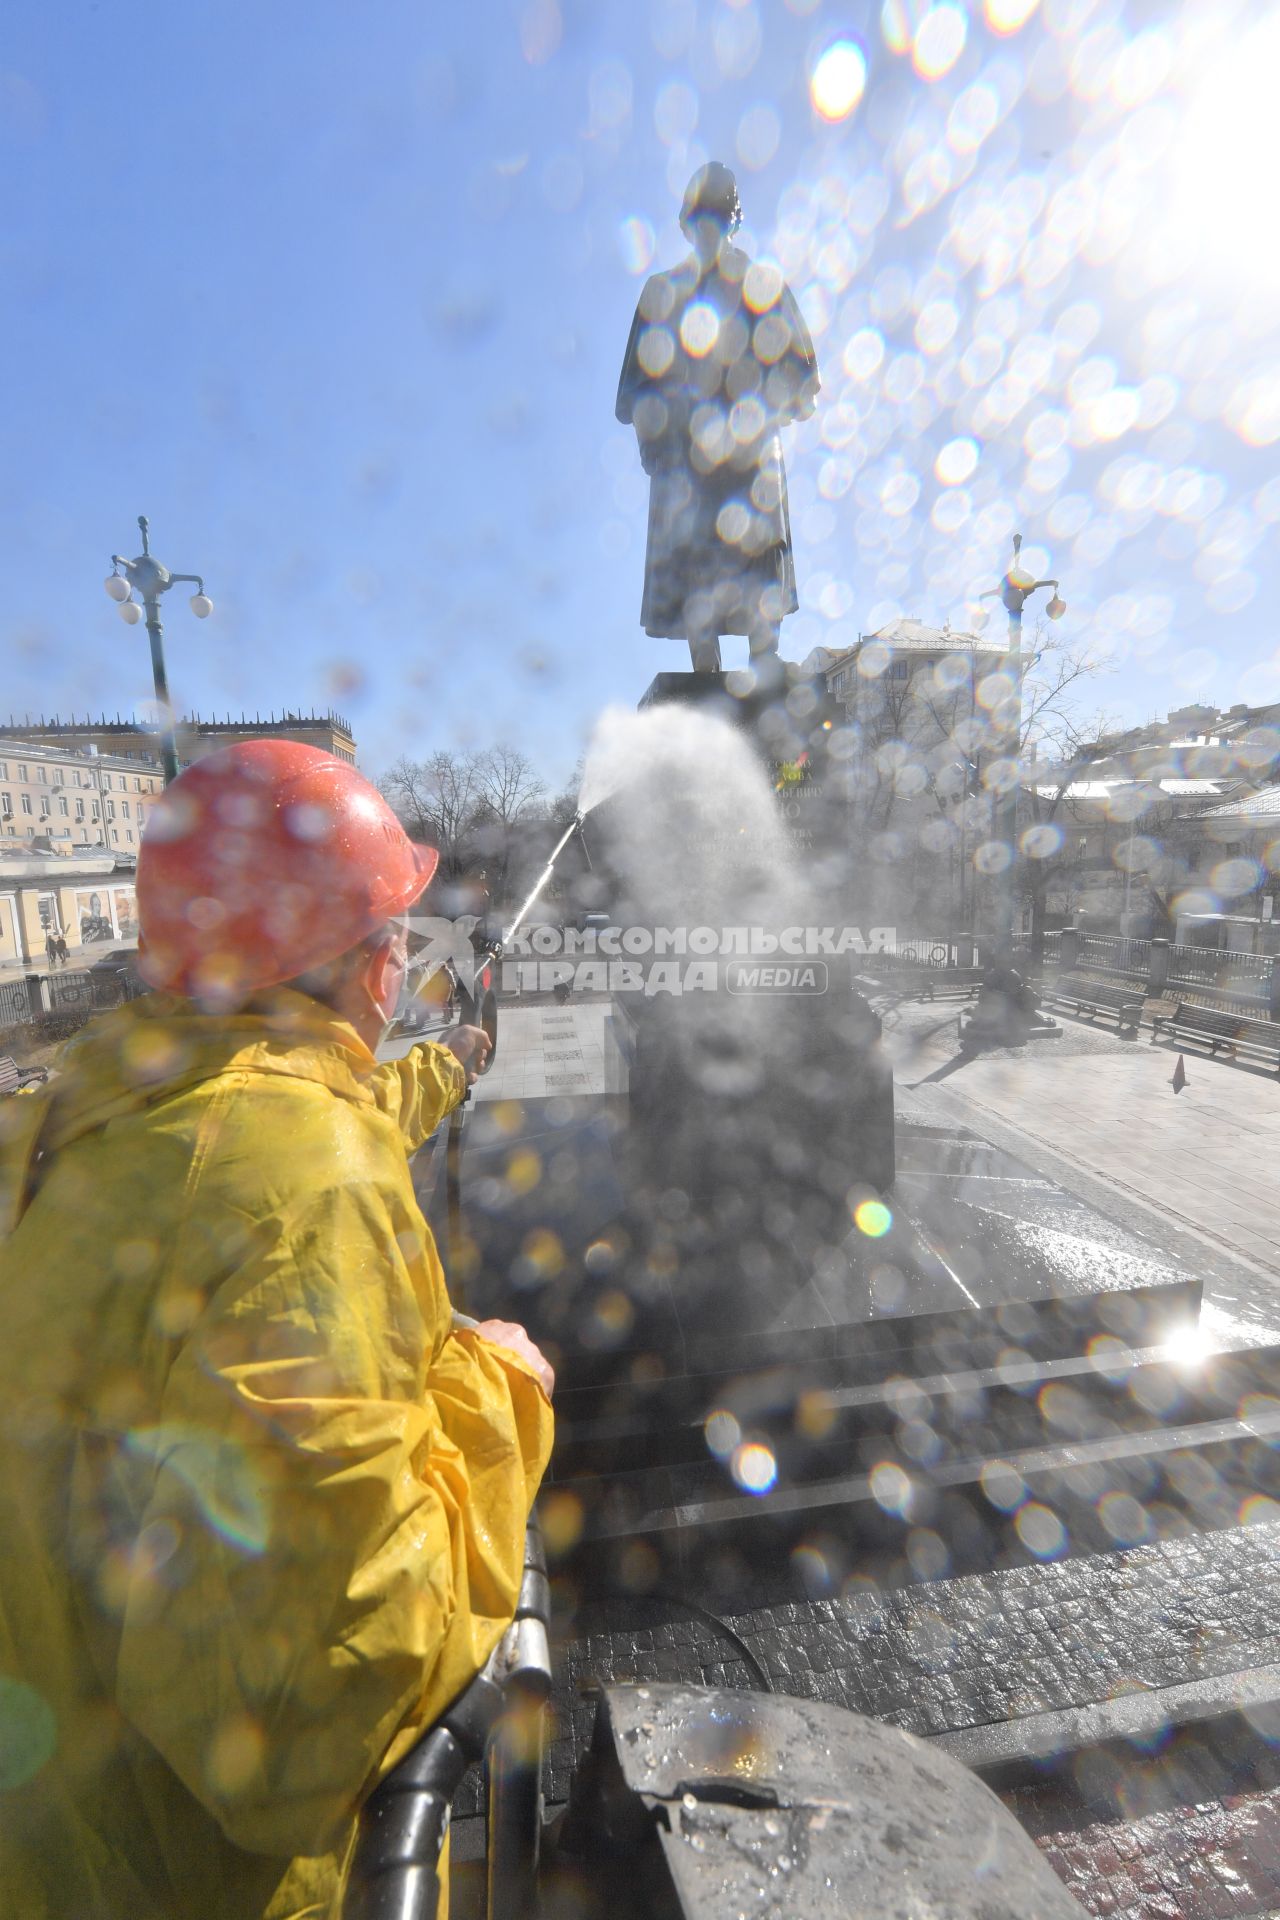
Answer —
(958, 1653)
(1219, 1860)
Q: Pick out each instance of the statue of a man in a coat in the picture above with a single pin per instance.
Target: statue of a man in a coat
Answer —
(718, 361)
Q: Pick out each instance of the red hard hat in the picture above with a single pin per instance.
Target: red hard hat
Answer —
(262, 861)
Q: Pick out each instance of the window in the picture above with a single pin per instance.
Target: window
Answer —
(900, 670)
(137, 784)
(26, 803)
(22, 773)
(111, 809)
(44, 806)
(62, 805)
(124, 808)
(79, 809)
(6, 805)
(4, 769)
(43, 773)
(97, 811)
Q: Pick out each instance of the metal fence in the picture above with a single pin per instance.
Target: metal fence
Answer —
(1115, 954)
(1206, 976)
(1217, 977)
(56, 998)
(921, 950)
(15, 1008)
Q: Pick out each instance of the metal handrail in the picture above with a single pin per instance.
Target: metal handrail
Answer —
(395, 1871)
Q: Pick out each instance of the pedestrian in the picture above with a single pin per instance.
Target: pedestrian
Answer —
(64, 953)
(50, 947)
(263, 1499)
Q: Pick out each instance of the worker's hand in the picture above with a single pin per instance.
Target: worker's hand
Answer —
(505, 1333)
(471, 1045)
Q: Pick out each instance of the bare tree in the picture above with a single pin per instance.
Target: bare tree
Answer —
(509, 796)
(438, 799)
(508, 785)
(1047, 811)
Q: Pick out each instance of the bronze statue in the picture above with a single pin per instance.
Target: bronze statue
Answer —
(718, 361)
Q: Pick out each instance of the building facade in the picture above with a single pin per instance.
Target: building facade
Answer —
(196, 736)
(918, 806)
(1180, 817)
(57, 801)
(87, 897)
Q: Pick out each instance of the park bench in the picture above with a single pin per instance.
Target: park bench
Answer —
(917, 982)
(1229, 1033)
(13, 1077)
(1094, 997)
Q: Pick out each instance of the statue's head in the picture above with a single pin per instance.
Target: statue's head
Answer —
(711, 209)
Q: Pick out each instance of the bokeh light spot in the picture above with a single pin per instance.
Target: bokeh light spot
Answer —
(839, 80)
(28, 1732)
(234, 1755)
(754, 1467)
(1040, 1531)
(699, 329)
(722, 1432)
(873, 1218)
(1125, 1519)
(560, 1516)
(635, 241)
(898, 22)
(1007, 16)
(939, 40)
(891, 1486)
(956, 461)
(1003, 1485)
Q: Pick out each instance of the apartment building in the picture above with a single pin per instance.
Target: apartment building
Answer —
(197, 734)
(55, 800)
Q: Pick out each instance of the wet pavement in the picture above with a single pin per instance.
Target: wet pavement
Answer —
(1100, 1115)
(1056, 1551)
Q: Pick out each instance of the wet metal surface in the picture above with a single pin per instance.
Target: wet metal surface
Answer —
(775, 1806)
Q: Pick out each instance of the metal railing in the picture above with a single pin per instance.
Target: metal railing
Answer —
(1116, 954)
(1219, 977)
(922, 950)
(15, 1007)
(63, 993)
(1231, 981)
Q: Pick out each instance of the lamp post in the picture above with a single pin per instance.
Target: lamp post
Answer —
(1014, 591)
(148, 579)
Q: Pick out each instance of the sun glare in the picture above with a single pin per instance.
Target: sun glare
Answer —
(1228, 155)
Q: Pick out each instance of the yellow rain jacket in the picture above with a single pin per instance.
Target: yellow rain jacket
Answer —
(261, 1508)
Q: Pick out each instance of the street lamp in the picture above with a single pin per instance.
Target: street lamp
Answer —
(1013, 592)
(148, 579)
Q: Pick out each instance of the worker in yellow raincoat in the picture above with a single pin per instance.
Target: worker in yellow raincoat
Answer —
(262, 1504)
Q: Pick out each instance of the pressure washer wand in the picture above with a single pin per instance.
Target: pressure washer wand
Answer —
(492, 950)
(496, 948)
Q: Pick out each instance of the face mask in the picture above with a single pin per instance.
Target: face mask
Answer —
(383, 1006)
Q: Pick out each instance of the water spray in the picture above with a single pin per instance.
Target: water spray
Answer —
(495, 948)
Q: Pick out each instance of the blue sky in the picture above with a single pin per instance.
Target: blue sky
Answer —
(338, 297)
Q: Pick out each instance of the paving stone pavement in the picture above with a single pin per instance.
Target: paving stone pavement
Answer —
(959, 1653)
(1219, 1860)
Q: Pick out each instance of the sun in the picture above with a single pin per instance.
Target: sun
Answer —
(1226, 162)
